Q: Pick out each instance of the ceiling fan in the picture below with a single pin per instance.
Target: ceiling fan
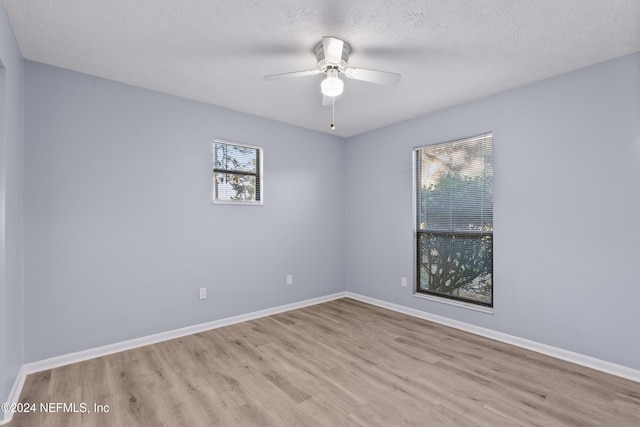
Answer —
(333, 60)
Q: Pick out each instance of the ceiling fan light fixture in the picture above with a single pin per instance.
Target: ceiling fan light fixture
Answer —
(332, 86)
(332, 56)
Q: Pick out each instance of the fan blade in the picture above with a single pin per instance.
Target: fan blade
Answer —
(372, 76)
(332, 49)
(291, 75)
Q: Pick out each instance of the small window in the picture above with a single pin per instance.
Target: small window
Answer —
(454, 220)
(237, 173)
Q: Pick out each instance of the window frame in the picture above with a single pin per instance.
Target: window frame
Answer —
(258, 174)
(435, 296)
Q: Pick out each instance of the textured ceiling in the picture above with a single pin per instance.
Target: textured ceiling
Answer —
(448, 52)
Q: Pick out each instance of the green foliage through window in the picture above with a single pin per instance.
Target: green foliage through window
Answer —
(454, 220)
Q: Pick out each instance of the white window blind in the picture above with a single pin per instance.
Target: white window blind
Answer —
(237, 173)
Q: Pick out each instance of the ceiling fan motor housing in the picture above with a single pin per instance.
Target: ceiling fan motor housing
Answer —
(324, 64)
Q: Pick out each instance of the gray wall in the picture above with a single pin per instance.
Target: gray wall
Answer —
(11, 112)
(566, 209)
(120, 229)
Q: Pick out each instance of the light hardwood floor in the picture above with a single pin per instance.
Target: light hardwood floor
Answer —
(341, 363)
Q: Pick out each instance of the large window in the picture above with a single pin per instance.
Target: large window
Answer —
(237, 173)
(454, 220)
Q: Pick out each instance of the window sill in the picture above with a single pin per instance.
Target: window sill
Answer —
(237, 202)
(468, 306)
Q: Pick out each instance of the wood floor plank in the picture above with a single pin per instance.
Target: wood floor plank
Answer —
(342, 363)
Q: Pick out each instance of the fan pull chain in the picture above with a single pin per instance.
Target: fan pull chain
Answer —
(332, 125)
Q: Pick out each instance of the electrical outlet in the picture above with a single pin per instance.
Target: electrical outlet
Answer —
(289, 279)
(202, 293)
(403, 282)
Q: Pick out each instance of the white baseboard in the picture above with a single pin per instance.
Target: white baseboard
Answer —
(80, 356)
(14, 394)
(569, 356)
